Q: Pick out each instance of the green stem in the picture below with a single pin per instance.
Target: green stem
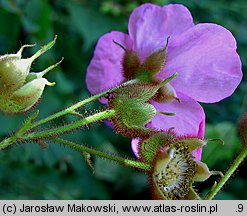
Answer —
(7, 142)
(71, 126)
(242, 155)
(71, 109)
(123, 161)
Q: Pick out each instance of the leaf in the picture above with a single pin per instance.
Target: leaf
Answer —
(9, 36)
(216, 153)
(89, 23)
(37, 19)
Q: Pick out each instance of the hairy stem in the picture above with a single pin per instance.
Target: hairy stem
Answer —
(71, 109)
(242, 155)
(8, 142)
(71, 126)
(123, 161)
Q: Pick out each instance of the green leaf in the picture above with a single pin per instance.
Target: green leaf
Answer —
(89, 23)
(37, 19)
(216, 153)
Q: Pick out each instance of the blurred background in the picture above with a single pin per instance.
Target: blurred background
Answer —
(29, 172)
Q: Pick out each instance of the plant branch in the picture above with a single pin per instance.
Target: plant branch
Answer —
(71, 109)
(123, 161)
(71, 126)
(242, 155)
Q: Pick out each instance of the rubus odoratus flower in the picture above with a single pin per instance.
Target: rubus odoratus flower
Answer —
(160, 42)
(174, 168)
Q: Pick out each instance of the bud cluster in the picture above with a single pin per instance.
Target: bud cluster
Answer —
(147, 70)
(21, 89)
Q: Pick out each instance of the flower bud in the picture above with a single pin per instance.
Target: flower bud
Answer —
(166, 94)
(155, 62)
(130, 63)
(20, 88)
(133, 111)
(144, 72)
(175, 170)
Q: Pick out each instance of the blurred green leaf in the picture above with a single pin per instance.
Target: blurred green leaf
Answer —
(216, 153)
(91, 24)
(37, 19)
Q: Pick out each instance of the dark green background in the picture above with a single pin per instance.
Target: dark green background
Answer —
(30, 172)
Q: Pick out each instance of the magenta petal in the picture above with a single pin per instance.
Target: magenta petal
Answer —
(197, 154)
(150, 25)
(104, 70)
(189, 118)
(135, 146)
(206, 60)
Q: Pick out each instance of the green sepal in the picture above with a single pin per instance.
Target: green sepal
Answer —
(131, 63)
(143, 113)
(150, 146)
(155, 62)
(203, 173)
(192, 143)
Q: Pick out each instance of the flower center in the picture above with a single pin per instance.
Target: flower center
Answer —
(174, 180)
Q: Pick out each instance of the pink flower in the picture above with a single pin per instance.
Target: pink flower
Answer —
(204, 55)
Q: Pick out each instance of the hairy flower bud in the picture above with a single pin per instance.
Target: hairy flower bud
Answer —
(131, 64)
(21, 89)
(155, 62)
(133, 111)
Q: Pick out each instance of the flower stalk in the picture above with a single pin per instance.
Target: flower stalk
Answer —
(123, 161)
(71, 109)
(71, 126)
(239, 159)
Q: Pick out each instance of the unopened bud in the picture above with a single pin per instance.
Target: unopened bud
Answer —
(156, 61)
(133, 111)
(20, 88)
(130, 62)
(166, 94)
